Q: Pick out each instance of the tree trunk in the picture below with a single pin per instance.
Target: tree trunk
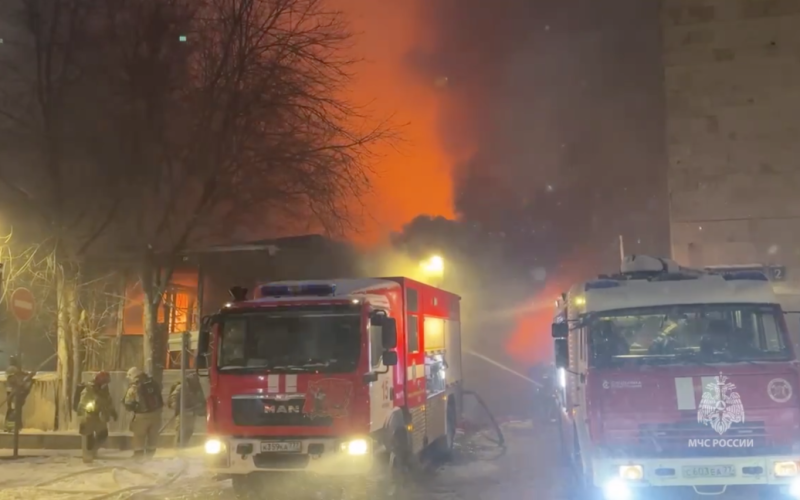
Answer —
(73, 309)
(64, 349)
(123, 294)
(154, 342)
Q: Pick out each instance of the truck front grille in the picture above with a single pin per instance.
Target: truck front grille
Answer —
(280, 461)
(251, 412)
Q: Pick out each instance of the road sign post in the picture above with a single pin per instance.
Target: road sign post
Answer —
(23, 307)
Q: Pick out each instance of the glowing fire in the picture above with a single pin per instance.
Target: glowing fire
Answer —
(531, 341)
(412, 178)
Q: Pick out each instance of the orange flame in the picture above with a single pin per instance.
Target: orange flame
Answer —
(531, 341)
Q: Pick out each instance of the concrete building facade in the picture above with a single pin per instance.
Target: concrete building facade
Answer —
(732, 83)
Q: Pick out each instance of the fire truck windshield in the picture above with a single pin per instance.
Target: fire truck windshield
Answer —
(292, 339)
(688, 334)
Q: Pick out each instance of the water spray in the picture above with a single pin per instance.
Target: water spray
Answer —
(503, 367)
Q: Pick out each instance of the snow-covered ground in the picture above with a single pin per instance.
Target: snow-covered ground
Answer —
(526, 469)
(63, 475)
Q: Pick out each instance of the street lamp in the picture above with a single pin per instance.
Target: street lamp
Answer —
(434, 266)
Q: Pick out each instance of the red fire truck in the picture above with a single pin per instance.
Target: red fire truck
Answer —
(678, 379)
(340, 379)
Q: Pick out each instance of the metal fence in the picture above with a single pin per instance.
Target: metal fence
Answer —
(39, 413)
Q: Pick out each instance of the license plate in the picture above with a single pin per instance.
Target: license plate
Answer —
(710, 471)
(281, 447)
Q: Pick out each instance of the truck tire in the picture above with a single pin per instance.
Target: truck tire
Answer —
(447, 443)
(583, 487)
(566, 460)
(399, 468)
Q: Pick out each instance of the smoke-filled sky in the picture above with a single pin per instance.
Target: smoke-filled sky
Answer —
(510, 100)
(527, 93)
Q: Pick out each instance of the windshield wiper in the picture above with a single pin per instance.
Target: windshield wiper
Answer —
(313, 362)
(259, 367)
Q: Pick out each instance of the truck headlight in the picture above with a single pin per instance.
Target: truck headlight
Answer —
(631, 472)
(356, 447)
(213, 447)
(785, 469)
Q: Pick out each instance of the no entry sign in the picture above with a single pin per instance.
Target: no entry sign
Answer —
(22, 304)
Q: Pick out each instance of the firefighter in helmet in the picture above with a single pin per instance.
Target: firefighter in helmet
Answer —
(18, 385)
(669, 337)
(144, 399)
(194, 406)
(94, 408)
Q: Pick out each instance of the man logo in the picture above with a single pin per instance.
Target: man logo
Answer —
(268, 408)
(721, 406)
(779, 390)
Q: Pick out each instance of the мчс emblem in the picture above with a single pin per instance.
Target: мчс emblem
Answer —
(779, 390)
(329, 397)
(721, 406)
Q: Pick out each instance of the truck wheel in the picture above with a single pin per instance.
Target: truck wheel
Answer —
(398, 468)
(562, 442)
(583, 487)
(443, 447)
(451, 422)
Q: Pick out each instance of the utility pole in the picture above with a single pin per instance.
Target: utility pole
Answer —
(185, 345)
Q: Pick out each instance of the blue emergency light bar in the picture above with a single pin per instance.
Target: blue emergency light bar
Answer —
(602, 284)
(745, 276)
(310, 289)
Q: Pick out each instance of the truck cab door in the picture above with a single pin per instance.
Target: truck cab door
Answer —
(579, 403)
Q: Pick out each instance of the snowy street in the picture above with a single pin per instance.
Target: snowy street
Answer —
(526, 470)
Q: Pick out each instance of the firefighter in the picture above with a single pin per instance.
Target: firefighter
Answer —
(542, 399)
(668, 339)
(195, 406)
(94, 408)
(144, 399)
(18, 386)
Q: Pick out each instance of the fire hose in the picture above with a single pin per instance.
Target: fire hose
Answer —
(500, 440)
(30, 375)
(172, 419)
(103, 495)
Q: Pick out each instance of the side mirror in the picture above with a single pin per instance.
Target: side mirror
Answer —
(389, 358)
(204, 342)
(388, 334)
(560, 330)
(562, 353)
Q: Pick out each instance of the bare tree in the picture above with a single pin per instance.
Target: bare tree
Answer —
(139, 128)
(55, 180)
(235, 117)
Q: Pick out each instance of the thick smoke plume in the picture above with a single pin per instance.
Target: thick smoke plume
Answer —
(552, 97)
(551, 112)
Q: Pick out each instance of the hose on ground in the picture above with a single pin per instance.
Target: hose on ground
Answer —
(102, 495)
(501, 440)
